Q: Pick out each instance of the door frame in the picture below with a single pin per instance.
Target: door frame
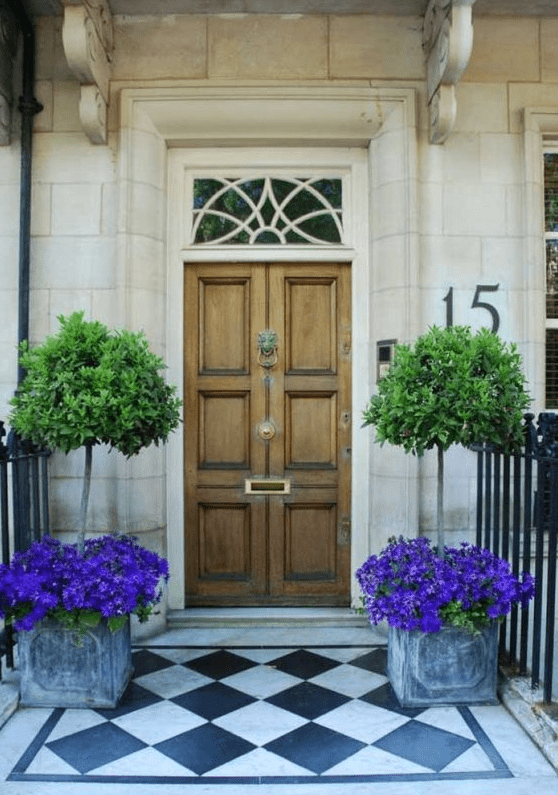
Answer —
(352, 165)
(380, 118)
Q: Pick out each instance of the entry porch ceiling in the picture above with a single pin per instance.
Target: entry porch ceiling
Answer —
(531, 8)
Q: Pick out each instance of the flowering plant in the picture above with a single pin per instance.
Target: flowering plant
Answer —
(411, 587)
(111, 579)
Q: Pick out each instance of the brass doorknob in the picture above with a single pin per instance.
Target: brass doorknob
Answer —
(266, 431)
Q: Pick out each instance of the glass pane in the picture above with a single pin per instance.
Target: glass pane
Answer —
(270, 210)
(551, 368)
(552, 278)
(551, 192)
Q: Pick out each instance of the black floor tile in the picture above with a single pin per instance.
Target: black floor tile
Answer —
(425, 745)
(314, 747)
(385, 697)
(304, 664)
(146, 662)
(220, 664)
(95, 746)
(375, 661)
(204, 748)
(214, 700)
(308, 700)
(134, 697)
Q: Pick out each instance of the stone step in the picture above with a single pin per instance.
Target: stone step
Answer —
(265, 617)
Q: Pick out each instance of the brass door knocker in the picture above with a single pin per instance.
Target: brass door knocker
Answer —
(267, 348)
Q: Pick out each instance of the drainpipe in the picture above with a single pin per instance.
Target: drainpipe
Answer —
(28, 107)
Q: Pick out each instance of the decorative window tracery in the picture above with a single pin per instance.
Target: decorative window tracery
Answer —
(267, 210)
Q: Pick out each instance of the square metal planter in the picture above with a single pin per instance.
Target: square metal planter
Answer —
(449, 667)
(59, 671)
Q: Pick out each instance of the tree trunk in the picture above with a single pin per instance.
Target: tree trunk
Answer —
(84, 497)
(440, 502)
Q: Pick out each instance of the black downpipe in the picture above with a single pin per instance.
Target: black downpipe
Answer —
(28, 107)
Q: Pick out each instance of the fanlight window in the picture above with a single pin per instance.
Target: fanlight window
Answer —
(270, 210)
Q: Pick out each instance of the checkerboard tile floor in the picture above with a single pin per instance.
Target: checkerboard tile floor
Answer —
(285, 715)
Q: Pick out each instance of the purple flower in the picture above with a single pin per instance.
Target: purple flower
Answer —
(114, 577)
(411, 587)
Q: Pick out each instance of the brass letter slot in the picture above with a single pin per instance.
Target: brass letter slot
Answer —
(267, 486)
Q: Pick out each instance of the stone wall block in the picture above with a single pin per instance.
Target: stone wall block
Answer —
(66, 107)
(9, 249)
(159, 47)
(146, 268)
(75, 263)
(470, 211)
(481, 108)
(267, 47)
(450, 261)
(501, 158)
(64, 302)
(44, 93)
(76, 209)
(505, 49)
(549, 50)
(461, 161)
(69, 157)
(363, 46)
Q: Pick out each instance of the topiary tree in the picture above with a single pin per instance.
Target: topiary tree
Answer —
(87, 385)
(450, 387)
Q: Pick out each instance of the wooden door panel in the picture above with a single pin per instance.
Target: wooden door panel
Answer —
(228, 552)
(310, 541)
(311, 430)
(311, 324)
(224, 445)
(224, 321)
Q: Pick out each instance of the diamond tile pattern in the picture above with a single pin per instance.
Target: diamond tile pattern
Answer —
(228, 714)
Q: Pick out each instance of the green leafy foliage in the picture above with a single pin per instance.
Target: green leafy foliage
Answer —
(451, 387)
(87, 385)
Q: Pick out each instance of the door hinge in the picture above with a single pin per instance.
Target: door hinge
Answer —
(344, 532)
(346, 343)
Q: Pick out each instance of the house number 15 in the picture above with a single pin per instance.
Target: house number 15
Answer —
(481, 288)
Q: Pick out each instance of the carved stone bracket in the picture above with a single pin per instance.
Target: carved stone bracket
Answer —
(447, 42)
(9, 30)
(87, 36)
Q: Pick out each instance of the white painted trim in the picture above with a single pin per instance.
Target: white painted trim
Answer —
(269, 253)
(275, 126)
(184, 164)
(540, 128)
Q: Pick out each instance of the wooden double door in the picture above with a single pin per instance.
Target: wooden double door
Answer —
(267, 434)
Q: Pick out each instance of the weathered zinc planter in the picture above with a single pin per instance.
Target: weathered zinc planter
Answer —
(56, 672)
(452, 666)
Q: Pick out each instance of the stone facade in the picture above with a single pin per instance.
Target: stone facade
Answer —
(460, 214)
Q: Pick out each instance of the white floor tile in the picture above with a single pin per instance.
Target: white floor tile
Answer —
(179, 656)
(147, 762)
(260, 723)
(158, 722)
(261, 682)
(472, 760)
(349, 680)
(260, 762)
(46, 761)
(346, 653)
(173, 681)
(75, 720)
(362, 721)
(373, 761)
(447, 718)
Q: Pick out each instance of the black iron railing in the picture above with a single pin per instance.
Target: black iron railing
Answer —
(517, 518)
(24, 511)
